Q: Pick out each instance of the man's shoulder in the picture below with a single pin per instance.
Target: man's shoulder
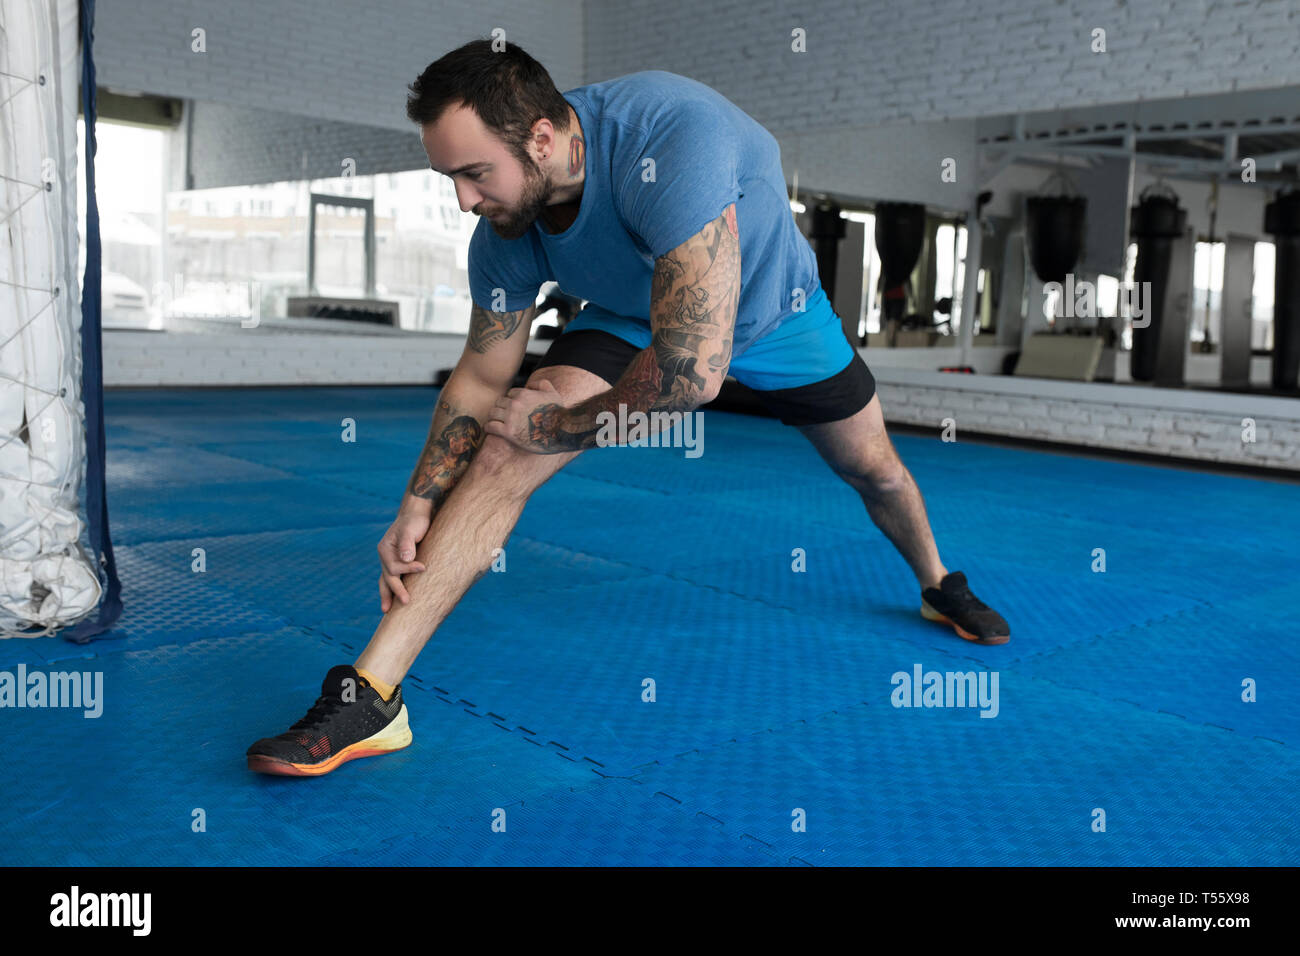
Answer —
(648, 98)
(638, 80)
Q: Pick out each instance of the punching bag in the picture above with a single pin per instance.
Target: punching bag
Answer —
(900, 234)
(1156, 221)
(1282, 222)
(828, 228)
(1054, 229)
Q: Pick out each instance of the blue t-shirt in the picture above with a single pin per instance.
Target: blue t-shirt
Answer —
(707, 153)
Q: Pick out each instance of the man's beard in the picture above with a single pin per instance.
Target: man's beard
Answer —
(537, 193)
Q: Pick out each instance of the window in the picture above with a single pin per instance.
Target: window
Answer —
(1207, 303)
(168, 256)
(1261, 326)
(129, 168)
(201, 253)
(868, 311)
(1207, 292)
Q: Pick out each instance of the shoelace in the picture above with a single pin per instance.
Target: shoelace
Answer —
(967, 601)
(324, 707)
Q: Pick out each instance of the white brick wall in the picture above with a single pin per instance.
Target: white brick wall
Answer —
(349, 62)
(1189, 424)
(871, 63)
(864, 112)
(267, 357)
(868, 63)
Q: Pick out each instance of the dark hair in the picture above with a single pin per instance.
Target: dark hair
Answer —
(509, 90)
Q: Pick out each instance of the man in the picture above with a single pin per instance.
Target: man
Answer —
(664, 206)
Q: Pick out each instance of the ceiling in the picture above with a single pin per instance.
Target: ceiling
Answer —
(1193, 135)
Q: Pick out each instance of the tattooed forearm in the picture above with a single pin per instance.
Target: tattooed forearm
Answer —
(546, 429)
(694, 292)
(453, 438)
(550, 430)
(556, 428)
(486, 328)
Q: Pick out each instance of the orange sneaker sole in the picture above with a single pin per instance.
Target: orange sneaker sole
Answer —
(396, 736)
(932, 615)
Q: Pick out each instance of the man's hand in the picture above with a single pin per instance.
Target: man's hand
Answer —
(529, 419)
(397, 553)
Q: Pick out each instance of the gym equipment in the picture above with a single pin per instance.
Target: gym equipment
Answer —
(1282, 222)
(1157, 221)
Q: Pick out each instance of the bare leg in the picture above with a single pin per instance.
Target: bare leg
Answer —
(474, 520)
(859, 450)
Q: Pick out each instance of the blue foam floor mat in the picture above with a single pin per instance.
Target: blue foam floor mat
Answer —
(1120, 690)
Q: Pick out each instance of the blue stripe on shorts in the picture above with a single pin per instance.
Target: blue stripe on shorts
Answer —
(806, 347)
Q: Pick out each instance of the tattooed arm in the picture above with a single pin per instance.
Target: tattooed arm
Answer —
(693, 298)
(493, 353)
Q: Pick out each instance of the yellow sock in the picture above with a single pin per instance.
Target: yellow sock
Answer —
(385, 690)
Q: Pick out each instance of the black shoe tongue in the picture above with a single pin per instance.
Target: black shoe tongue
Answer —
(955, 580)
(332, 686)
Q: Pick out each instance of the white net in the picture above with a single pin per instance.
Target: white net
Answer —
(47, 581)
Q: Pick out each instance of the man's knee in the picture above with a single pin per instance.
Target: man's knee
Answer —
(498, 457)
(876, 470)
(525, 470)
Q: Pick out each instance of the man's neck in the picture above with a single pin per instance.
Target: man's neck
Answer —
(561, 213)
(558, 217)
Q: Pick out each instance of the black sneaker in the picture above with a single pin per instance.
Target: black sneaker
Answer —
(953, 603)
(335, 731)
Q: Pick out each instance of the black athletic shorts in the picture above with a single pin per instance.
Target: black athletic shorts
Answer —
(809, 349)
